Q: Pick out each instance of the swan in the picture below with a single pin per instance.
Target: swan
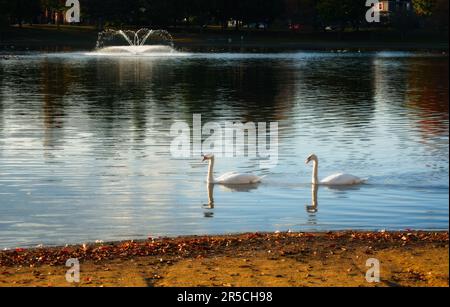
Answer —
(333, 180)
(231, 178)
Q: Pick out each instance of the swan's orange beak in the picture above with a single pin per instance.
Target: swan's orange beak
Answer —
(308, 160)
(204, 158)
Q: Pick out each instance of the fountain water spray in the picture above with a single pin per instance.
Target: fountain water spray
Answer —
(135, 42)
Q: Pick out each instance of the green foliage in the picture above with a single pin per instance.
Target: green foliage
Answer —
(21, 10)
(164, 13)
(424, 7)
(440, 15)
(5, 11)
(434, 13)
(342, 12)
(301, 11)
(175, 12)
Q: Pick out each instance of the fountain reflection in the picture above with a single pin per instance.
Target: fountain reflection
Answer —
(56, 83)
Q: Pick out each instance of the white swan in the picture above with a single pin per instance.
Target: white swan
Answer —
(231, 178)
(333, 180)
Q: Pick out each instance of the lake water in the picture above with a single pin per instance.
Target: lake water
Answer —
(84, 144)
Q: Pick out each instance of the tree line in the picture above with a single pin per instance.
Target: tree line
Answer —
(171, 13)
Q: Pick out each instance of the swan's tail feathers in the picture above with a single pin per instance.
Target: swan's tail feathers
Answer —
(364, 180)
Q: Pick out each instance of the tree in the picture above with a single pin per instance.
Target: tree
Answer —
(342, 12)
(440, 15)
(424, 7)
(434, 13)
(261, 10)
(55, 7)
(5, 10)
(25, 10)
(301, 11)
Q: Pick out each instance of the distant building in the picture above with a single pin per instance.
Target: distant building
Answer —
(388, 8)
(54, 16)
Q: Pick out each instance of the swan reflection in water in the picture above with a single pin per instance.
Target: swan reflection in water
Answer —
(314, 207)
(210, 190)
(226, 188)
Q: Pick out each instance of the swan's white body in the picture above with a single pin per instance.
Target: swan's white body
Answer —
(236, 178)
(341, 179)
(333, 180)
(231, 178)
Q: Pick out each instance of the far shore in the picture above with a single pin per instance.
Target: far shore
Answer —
(49, 38)
(407, 259)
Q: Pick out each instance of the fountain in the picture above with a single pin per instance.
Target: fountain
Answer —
(143, 41)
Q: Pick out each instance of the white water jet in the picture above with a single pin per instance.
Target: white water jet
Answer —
(141, 42)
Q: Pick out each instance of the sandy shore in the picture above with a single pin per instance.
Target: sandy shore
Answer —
(261, 260)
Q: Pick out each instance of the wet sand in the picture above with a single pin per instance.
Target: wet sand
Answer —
(414, 259)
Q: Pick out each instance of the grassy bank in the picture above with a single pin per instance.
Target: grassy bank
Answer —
(67, 38)
(281, 259)
(48, 38)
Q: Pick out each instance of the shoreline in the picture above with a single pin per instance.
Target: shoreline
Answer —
(50, 39)
(415, 258)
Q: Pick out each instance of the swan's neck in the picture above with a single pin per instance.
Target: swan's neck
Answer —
(315, 176)
(210, 178)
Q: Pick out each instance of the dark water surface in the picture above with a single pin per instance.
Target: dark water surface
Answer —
(84, 144)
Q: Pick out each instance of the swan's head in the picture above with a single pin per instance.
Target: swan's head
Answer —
(207, 157)
(312, 157)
